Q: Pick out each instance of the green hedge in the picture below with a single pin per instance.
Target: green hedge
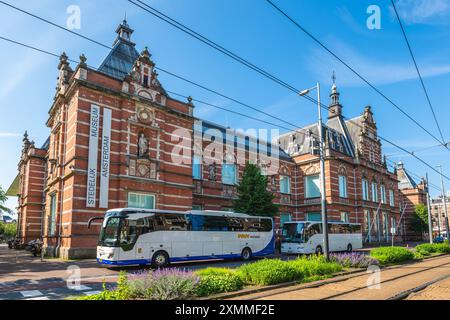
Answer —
(217, 280)
(392, 255)
(8, 230)
(427, 249)
(268, 272)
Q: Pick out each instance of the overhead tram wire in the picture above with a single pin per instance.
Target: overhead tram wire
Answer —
(296, 127)
(305, 96)
(322, 105)
(418, 72)
(394, 164)
(354, 71)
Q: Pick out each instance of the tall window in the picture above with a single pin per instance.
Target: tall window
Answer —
(284, 217)
(391, 198)
(344, 217)
(52, 222)
(228, 173)
(312, 186)
(374, 192)
(141, 200)
(343, 186)
(383, 194)
(314, 216)
(197, 168)
(285, 184)
(365, 189)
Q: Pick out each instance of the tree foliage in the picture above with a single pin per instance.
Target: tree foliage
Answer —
(419, 222)
(3, 199)
(254, 198)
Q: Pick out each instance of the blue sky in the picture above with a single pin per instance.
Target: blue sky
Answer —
(254, 30)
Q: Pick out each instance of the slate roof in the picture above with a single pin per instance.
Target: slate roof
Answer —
(120, 59)
(262, 145)
(405, 180)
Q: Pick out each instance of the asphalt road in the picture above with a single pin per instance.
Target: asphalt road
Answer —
(23, 276)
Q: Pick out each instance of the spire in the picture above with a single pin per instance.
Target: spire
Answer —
(335, 108)
(123, 31)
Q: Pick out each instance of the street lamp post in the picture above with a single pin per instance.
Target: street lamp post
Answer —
(430, 221)
(444, 203)
(323, 199)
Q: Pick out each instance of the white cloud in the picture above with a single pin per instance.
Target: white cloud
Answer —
(423, 11)
(9, 134)
(376, 71)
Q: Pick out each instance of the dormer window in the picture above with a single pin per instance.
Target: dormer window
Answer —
(145, 81)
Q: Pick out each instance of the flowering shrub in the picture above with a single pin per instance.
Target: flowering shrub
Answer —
(140, 284)
(217, 280)
(173, 284)
(391, 255)
(353, 260)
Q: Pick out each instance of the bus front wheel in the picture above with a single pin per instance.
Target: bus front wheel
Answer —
(349, 248)
(319, 250)
(246, 254)
(160, 259)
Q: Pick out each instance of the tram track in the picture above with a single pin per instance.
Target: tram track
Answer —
(415, 271)
(390, 280)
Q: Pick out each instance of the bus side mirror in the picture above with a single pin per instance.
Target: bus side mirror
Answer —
(93, 219)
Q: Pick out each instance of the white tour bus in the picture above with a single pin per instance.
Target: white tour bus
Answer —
(139, 237)
(305, 237)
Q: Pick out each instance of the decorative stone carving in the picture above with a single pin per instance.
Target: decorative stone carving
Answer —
(142, 146)
(212, 172)
(313, 168)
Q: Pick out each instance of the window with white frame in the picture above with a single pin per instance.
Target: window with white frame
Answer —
(343, 186)
(344, 217)
(229, 173)
(391, 198)
(52, 220)
(383, 194)
(312, 186)
(285, 217)
(197, 168)
(374, 192)
(141, 200)
(314, 216)
(365, 189)
(285, 184)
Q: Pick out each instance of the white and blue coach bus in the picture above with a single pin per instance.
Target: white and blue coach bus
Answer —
(140, 237)
(306, 237)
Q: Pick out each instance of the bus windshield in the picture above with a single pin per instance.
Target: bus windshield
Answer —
(124, 231)
(109, 235)
(293, 232)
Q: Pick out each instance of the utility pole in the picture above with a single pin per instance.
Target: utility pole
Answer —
(323, 197)
(430, 222)
(444, 203)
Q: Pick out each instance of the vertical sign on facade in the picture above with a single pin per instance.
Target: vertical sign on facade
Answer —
(93, 154)
(105, 162)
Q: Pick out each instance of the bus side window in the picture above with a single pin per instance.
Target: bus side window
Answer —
(235, 224)
(266, 225)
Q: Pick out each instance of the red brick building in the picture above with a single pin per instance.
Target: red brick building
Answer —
(359, 186)
(117, 139)
(411, 194)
